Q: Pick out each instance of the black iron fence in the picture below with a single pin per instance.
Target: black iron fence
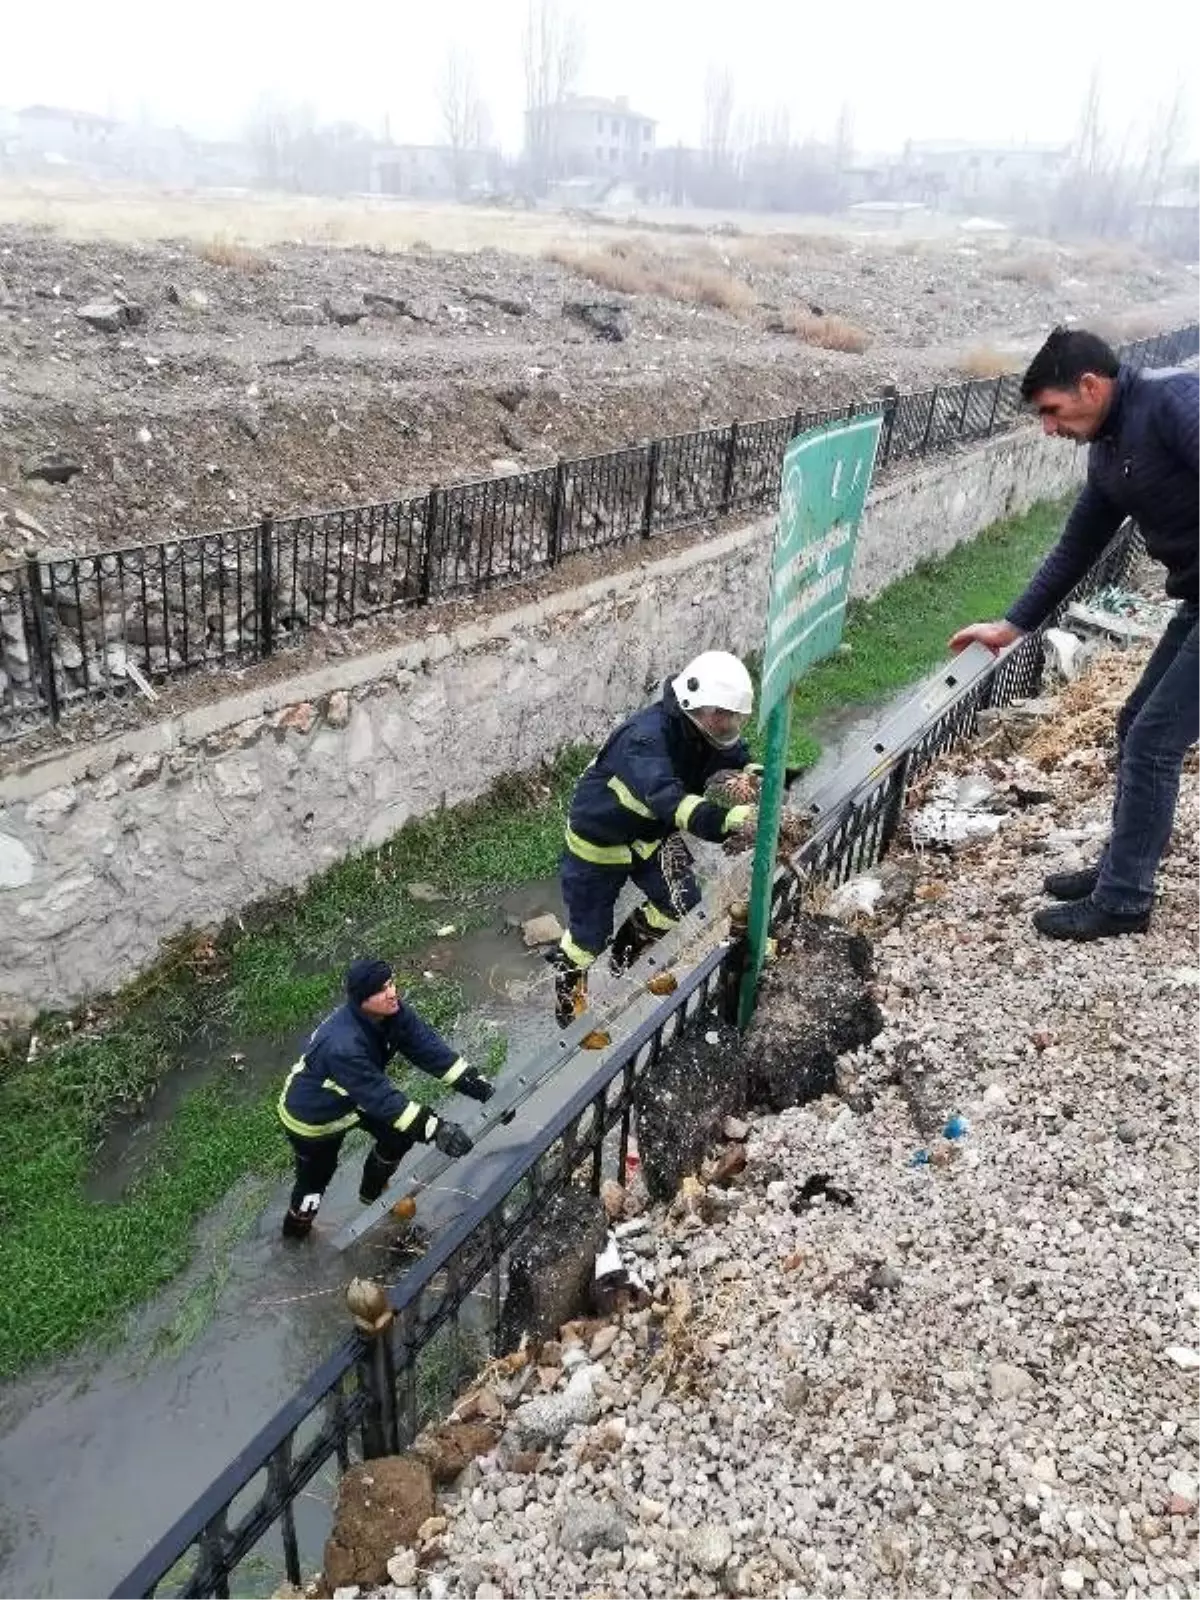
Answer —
(368, 1399)
(77, 630)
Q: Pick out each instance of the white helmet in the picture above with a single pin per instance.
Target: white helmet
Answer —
(718, 682)
(715, 679)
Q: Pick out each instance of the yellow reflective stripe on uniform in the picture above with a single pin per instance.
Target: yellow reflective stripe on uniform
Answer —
(311, 1130)
(575, 953)
(656, 918)
(336, 1088)
(455, 1071)
(686, 808)
(314, 1130)
(600, 855)
(646, 847)
(628, 799)
(408, 1116)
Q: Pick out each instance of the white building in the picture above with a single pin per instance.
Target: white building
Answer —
(76, 136)
(586, 136)
(976, 175)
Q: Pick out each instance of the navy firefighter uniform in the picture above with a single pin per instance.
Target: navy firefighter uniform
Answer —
(645, 786)
(341, 1082)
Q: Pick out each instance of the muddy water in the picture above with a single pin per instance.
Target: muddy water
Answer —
(100, 1453)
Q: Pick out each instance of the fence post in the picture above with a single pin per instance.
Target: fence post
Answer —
(891, 404)
(734, 966)
(41, 631)
(995, 406)
(429, 533)
(651, 491)
(558, 500)
(895, 803)
(266, 584)
(966, 406)
(933, 398)
(373, 1317)
(731, 449)
(797, 423)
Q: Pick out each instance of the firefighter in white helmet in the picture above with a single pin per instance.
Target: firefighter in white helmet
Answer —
(646, 784)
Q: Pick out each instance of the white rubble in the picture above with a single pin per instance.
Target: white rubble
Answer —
(975, 1378)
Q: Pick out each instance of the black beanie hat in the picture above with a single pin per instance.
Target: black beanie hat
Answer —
(366, 978)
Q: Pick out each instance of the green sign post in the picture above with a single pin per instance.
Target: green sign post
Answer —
(826, 474)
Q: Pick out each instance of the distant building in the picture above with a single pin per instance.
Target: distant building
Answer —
(433, 170)
(76, 136)
(960, 174)
(1171, 223)
(585, 136)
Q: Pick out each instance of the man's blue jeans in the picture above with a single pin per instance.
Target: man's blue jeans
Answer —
(1155, 727)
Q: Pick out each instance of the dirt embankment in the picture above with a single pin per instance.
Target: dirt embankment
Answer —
(207, 382)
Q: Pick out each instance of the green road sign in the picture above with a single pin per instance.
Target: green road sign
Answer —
(826, 474)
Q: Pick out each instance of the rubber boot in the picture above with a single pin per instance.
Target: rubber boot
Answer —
(297, 1225)
(570, 989)
(298, 1221)
(376, 1175)
(633, 936)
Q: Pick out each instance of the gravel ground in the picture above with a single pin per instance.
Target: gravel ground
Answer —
(976, 1379)
(301, 377)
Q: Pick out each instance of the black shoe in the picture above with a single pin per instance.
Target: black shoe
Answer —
(296, 1226)
(1071, 885)
(1084, 919)
(570, 989)
(633, 936)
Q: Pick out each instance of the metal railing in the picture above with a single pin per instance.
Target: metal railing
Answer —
(77, 630)
(365, 1400)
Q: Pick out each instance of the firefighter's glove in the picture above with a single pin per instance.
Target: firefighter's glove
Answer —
(474, 1086)
(739, 817)
(451, 1140)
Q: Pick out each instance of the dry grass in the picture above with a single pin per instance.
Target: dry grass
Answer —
(985, 361)
(612, 268)
(129, 213)
(1085, 716)
(827, 332)
(1113, 260)
(785, 249)
(764, 251)
(1037, 271)
(710, 286)
(222, 250)
(623, 268)
(1118, 326)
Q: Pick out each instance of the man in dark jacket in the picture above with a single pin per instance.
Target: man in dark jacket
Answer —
(341, 1082)
(1143, 433)
(646, 784)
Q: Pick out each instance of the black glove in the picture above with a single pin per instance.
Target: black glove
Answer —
(451, 1140)
(475, 1087)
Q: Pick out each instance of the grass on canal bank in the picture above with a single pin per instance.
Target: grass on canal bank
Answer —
(72, 1264)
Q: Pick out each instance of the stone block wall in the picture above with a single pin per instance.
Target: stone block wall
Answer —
(108, 849)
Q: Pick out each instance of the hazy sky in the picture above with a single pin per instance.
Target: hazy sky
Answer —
(1013, 70)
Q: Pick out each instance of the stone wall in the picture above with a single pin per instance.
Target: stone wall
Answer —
(106, 850)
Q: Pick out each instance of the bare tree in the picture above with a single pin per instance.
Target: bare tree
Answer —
(1162, 152)
(552, 54)
(464, 116)
(843, 137)
(716, 129)
(1086, 191)
(280, 136)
